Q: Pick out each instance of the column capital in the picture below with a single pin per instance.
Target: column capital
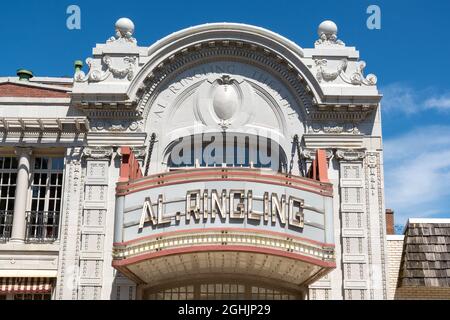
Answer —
(350, 154)
(25, 151)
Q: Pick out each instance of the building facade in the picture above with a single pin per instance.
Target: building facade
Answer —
(223, 161)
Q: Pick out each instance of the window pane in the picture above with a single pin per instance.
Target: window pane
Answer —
(57, 163)
(37, 163)
(44, 163)
(52, 192)
(14, 163)
(7, 164)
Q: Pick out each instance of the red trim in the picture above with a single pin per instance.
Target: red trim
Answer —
(322, 166)
(218, 248)
(247, 230)
(129, 168)
(163, 179)
(324, 193)
(222, 171)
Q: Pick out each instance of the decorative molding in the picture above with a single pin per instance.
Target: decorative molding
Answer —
(97, 152)
(326, 74)
(350, 154)
(116, 125)
(98, 75)
(45, 125)
(328, 40)
(310, 154)
(368, 224)
(356, 78)
(123, 34)
(208, 51)
(333, 127)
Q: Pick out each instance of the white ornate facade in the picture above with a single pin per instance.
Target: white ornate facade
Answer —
(139, 215)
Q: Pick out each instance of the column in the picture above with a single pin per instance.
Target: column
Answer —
(22, 185)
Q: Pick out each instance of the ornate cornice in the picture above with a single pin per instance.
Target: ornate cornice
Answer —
(45, 125)
(350, 154)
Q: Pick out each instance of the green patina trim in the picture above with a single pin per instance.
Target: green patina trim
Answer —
(24, 74)
(78, 65)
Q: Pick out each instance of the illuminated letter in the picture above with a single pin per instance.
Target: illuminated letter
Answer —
(240, 212)
(216, 206)
(266, 206)
(297, 218)
(254, 215)
(279, 208)
(205, 204)
(147, 214)
(193, 204)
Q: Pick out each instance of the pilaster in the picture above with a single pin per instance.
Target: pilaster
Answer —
(71, 214)
(93, 224)
(354, 228)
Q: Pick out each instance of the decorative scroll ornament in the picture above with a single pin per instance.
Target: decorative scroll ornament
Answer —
(97, 75)
(357, 78)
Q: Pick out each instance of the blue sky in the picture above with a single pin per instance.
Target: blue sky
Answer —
(409, 54)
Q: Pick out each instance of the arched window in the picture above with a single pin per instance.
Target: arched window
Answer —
(226, 149)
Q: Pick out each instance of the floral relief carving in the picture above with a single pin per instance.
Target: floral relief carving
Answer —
(355, 78)
(98, 75)
(117, 125)
(333, 128)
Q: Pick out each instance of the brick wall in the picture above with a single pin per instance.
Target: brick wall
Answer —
(394, 256)
(422, 293)
(15, 90)
(390, 222)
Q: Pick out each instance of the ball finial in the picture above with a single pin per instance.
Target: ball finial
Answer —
(327, 28)
(125, 26)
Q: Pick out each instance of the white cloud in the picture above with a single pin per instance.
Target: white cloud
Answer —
(440, 103)
(417, 173)
(400, 97)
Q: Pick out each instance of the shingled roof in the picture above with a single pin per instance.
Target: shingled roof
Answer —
(426, 254)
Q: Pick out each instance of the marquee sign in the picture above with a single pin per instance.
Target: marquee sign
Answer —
(234, 204)
(246, 199)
